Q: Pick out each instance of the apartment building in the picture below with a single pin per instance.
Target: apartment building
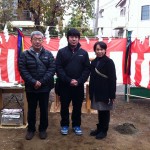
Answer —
(115, 17)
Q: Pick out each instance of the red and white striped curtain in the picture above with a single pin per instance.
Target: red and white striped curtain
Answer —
(140, 57)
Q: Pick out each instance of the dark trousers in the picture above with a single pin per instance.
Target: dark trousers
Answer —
(104, 119)
(76, 95)
(33, 100)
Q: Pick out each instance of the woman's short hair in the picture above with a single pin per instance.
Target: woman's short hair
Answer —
(36, 33)
(103, 45)
(73, 32)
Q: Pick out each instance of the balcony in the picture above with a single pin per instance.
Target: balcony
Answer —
(119, 23)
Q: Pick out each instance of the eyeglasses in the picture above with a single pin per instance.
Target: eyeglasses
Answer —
(37, 40)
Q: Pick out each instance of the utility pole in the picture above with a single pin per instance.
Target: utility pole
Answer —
(96, 19)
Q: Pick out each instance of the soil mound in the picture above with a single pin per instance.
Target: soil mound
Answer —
(126, 128)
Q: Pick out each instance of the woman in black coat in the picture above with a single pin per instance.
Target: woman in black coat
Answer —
(102, 88)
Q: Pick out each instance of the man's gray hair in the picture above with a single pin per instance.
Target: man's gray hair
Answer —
(36, 33)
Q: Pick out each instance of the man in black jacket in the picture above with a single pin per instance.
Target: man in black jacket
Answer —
(73, 68)
(37, 69)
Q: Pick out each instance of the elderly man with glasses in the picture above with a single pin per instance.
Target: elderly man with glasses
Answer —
(37, 69)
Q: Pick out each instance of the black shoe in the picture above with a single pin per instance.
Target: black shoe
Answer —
(93, 132)
(96, 131)
(43, 135)
(29, 135)
(101, 135)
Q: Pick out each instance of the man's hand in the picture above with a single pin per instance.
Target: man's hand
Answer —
(74, 82)
(37, 85)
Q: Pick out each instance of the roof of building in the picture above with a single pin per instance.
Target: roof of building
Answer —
(22, 23)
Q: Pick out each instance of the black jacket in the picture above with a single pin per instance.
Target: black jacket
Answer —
(71, 65)
(31, 70)
(102, 88)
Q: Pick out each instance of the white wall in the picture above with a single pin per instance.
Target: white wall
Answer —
(110, 12)
(140, 27)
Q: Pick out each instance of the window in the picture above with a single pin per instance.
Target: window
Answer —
(26, 15)
(120, 33)
(145, 14)
(102, 30)
(101, 13)
(123, 12)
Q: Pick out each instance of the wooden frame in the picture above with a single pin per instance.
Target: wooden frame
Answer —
(15, 90)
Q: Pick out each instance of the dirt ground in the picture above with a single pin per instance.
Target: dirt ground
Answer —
(129, 130)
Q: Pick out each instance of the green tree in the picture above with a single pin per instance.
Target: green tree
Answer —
(7, 11)
(82, 11)
(48, 12)
(44, 12)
